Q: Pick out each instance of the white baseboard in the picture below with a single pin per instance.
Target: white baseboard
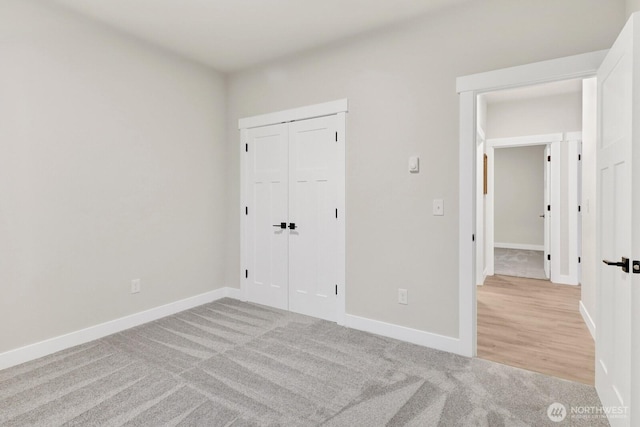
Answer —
(588, 320)
(522, 246)
(484, 278)
(62, 342)
(414, 336)
(234, 293)
(563, 279)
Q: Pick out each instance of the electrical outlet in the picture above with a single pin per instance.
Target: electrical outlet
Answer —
(135, 286)
(402, 296)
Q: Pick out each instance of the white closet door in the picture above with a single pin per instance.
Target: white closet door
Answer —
(267, 187)
(313, 156)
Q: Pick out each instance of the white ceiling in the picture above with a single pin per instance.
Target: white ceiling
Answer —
(536, 91)
(232, 34)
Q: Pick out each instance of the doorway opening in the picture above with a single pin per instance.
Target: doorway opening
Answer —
(613, 115)
(520, 219)
(528, 248)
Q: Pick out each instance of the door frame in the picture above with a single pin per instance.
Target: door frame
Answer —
(498, 143)
(469, 87)
(482, 249)
(552, 191)
(337, 108)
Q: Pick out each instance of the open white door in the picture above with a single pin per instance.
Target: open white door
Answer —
(546, 214)
(618, 114)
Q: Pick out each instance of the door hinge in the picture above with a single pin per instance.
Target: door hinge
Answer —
(336, 136)
(246, 148)
(579, 208)
(473, 237)
(636, 267)
(579, 157)
(336, 289)
(246, 210)
(246, 274)
(549, 257)
(579, 260)
(549, 208)
(336, 213)
(548, 158)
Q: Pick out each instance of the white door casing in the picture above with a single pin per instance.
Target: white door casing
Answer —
(314, 180)
(481, 260)
(618, 110)
(469, 87)
(564, 209)
(560, 164)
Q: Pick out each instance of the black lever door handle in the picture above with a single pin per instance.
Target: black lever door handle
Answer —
(292, 226)
(624, 264)
(282, 225)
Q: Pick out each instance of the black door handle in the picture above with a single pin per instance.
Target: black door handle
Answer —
(292, 226)
(282, 225)
(624, 264)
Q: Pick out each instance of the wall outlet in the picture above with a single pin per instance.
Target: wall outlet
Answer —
(402, 296)
(135, 286)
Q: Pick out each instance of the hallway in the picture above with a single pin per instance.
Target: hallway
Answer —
(535, 325)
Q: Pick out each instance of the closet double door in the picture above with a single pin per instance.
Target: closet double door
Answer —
(291, 216)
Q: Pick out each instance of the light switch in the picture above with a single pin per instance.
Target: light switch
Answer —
(414, 164)
(438, 207)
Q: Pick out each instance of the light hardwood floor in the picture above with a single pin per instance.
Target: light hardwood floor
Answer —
(535, 325)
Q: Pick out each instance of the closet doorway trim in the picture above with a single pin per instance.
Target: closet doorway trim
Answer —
(339, 108)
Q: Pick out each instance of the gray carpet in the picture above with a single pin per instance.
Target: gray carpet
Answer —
(230, 363)
(519, 263)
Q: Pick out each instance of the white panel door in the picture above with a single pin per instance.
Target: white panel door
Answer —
(313, 158)
(545, 212)
(267, 186)
(618, 110)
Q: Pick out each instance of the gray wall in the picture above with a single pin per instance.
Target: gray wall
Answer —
(535, 116)
(632, 6)
(112, 167)
(519, 195)
(401, 88)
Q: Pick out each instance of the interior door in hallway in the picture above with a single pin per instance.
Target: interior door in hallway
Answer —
(267, 177)
(618, 113)
(546, 214)
(313, 154)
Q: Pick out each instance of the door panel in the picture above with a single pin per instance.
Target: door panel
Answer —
(312, 203)
(615, 121)
(546, 213)
(267, 182)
